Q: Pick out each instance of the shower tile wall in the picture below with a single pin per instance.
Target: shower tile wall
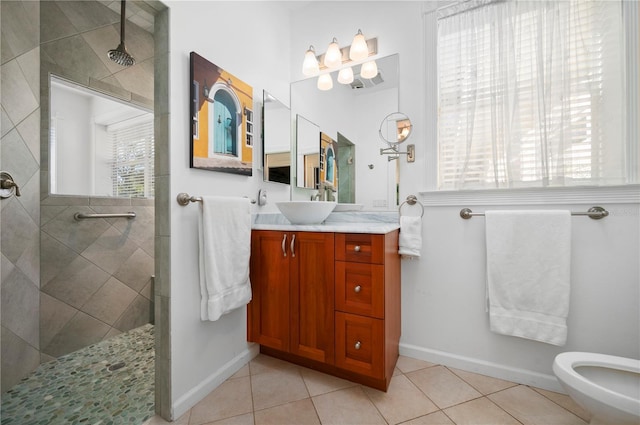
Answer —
(95, 274)
(20, 216)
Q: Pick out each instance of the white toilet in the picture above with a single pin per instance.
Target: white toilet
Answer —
(606, 386)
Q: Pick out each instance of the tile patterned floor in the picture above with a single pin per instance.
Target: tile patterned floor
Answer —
(79, 388)
(270, 391)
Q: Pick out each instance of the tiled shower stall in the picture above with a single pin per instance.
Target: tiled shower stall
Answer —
(67, 284)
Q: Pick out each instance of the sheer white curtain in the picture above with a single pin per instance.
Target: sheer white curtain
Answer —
(531, 94)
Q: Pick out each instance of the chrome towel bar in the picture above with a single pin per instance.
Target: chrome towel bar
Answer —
(81, 216)
(595, 213)
(184, 199)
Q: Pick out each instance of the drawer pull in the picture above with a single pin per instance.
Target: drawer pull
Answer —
(357, 248)
(293, 241)
(284, 242)
(358, 345)
(357, 289)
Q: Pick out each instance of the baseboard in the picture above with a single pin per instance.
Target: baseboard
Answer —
(483, 367)
(213, 381)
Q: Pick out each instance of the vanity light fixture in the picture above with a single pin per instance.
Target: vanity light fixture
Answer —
(310, 66)
(325, 82)
(359, 49)
(336, 57)
(333, 57)
(345, 76)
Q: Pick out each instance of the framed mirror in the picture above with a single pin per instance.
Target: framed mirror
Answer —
(98, 145)
(350, 114)
(276, 140)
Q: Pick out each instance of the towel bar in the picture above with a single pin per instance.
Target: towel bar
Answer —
(595, 213)
(184, 199)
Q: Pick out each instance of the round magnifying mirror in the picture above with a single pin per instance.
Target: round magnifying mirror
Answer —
(395, 128)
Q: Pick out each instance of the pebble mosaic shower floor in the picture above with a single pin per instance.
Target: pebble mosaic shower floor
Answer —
(80, 388)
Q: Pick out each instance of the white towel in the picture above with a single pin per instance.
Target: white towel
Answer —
(528, 273)
(410, 239)
(225, 249)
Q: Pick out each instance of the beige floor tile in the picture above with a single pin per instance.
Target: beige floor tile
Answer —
(230, 399)
(442, 386)
(243, 372)
(262, 363)
(347, 407)
(436, 418)
(480, 411)
(531, 408)
(566, 402)
(246, 419)
(484, 384)
(408, 364)
(299, 412)
(277, 387)
(402, 401)
(321, 383)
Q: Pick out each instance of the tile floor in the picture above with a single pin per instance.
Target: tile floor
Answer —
(270, 391)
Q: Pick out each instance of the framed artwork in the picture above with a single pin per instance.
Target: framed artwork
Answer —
(222, 127)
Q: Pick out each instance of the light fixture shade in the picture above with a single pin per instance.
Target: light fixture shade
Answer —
(325, 82)
(333, 57)
(310, 65)
(359, 49)
(345, 76)
(369, 69)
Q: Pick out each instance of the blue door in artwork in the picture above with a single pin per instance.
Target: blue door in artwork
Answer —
(224, 115)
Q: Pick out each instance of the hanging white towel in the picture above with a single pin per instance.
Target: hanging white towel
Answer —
(225, 249)
(528, 273)
(410, 239)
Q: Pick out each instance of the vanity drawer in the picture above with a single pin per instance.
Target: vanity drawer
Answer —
(360, 248)
(360, 344)
(360, 288)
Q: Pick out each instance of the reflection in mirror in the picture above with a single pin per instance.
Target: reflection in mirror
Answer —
(307, 153)
(395, 128)
(99, 145)
(276, 140)
(351, 114)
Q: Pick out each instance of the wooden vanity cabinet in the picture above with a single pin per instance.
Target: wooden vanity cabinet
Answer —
(328, 301)
(292, 280)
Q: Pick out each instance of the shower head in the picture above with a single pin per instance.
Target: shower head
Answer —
(120, 55)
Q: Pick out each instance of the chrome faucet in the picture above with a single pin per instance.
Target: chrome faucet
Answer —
(320, 195)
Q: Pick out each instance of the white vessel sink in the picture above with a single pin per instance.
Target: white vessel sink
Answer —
(306, 212)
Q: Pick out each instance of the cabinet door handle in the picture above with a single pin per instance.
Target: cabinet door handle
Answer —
(357, 289)
(284, 245)
(293, 241)
(357, 248)
(358, 345)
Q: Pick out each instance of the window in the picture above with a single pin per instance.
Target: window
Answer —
(531, 94)
(133, 156)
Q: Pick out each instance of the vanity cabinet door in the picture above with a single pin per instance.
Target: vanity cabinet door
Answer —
(312, 296)
(268, 313)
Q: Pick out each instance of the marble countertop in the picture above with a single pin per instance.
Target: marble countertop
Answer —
(340, 222)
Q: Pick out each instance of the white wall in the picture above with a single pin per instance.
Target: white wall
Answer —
(443, 292)
(443, 301)
(250, 40)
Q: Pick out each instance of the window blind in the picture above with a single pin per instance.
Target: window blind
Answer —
(531, 94)
(133, 159)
